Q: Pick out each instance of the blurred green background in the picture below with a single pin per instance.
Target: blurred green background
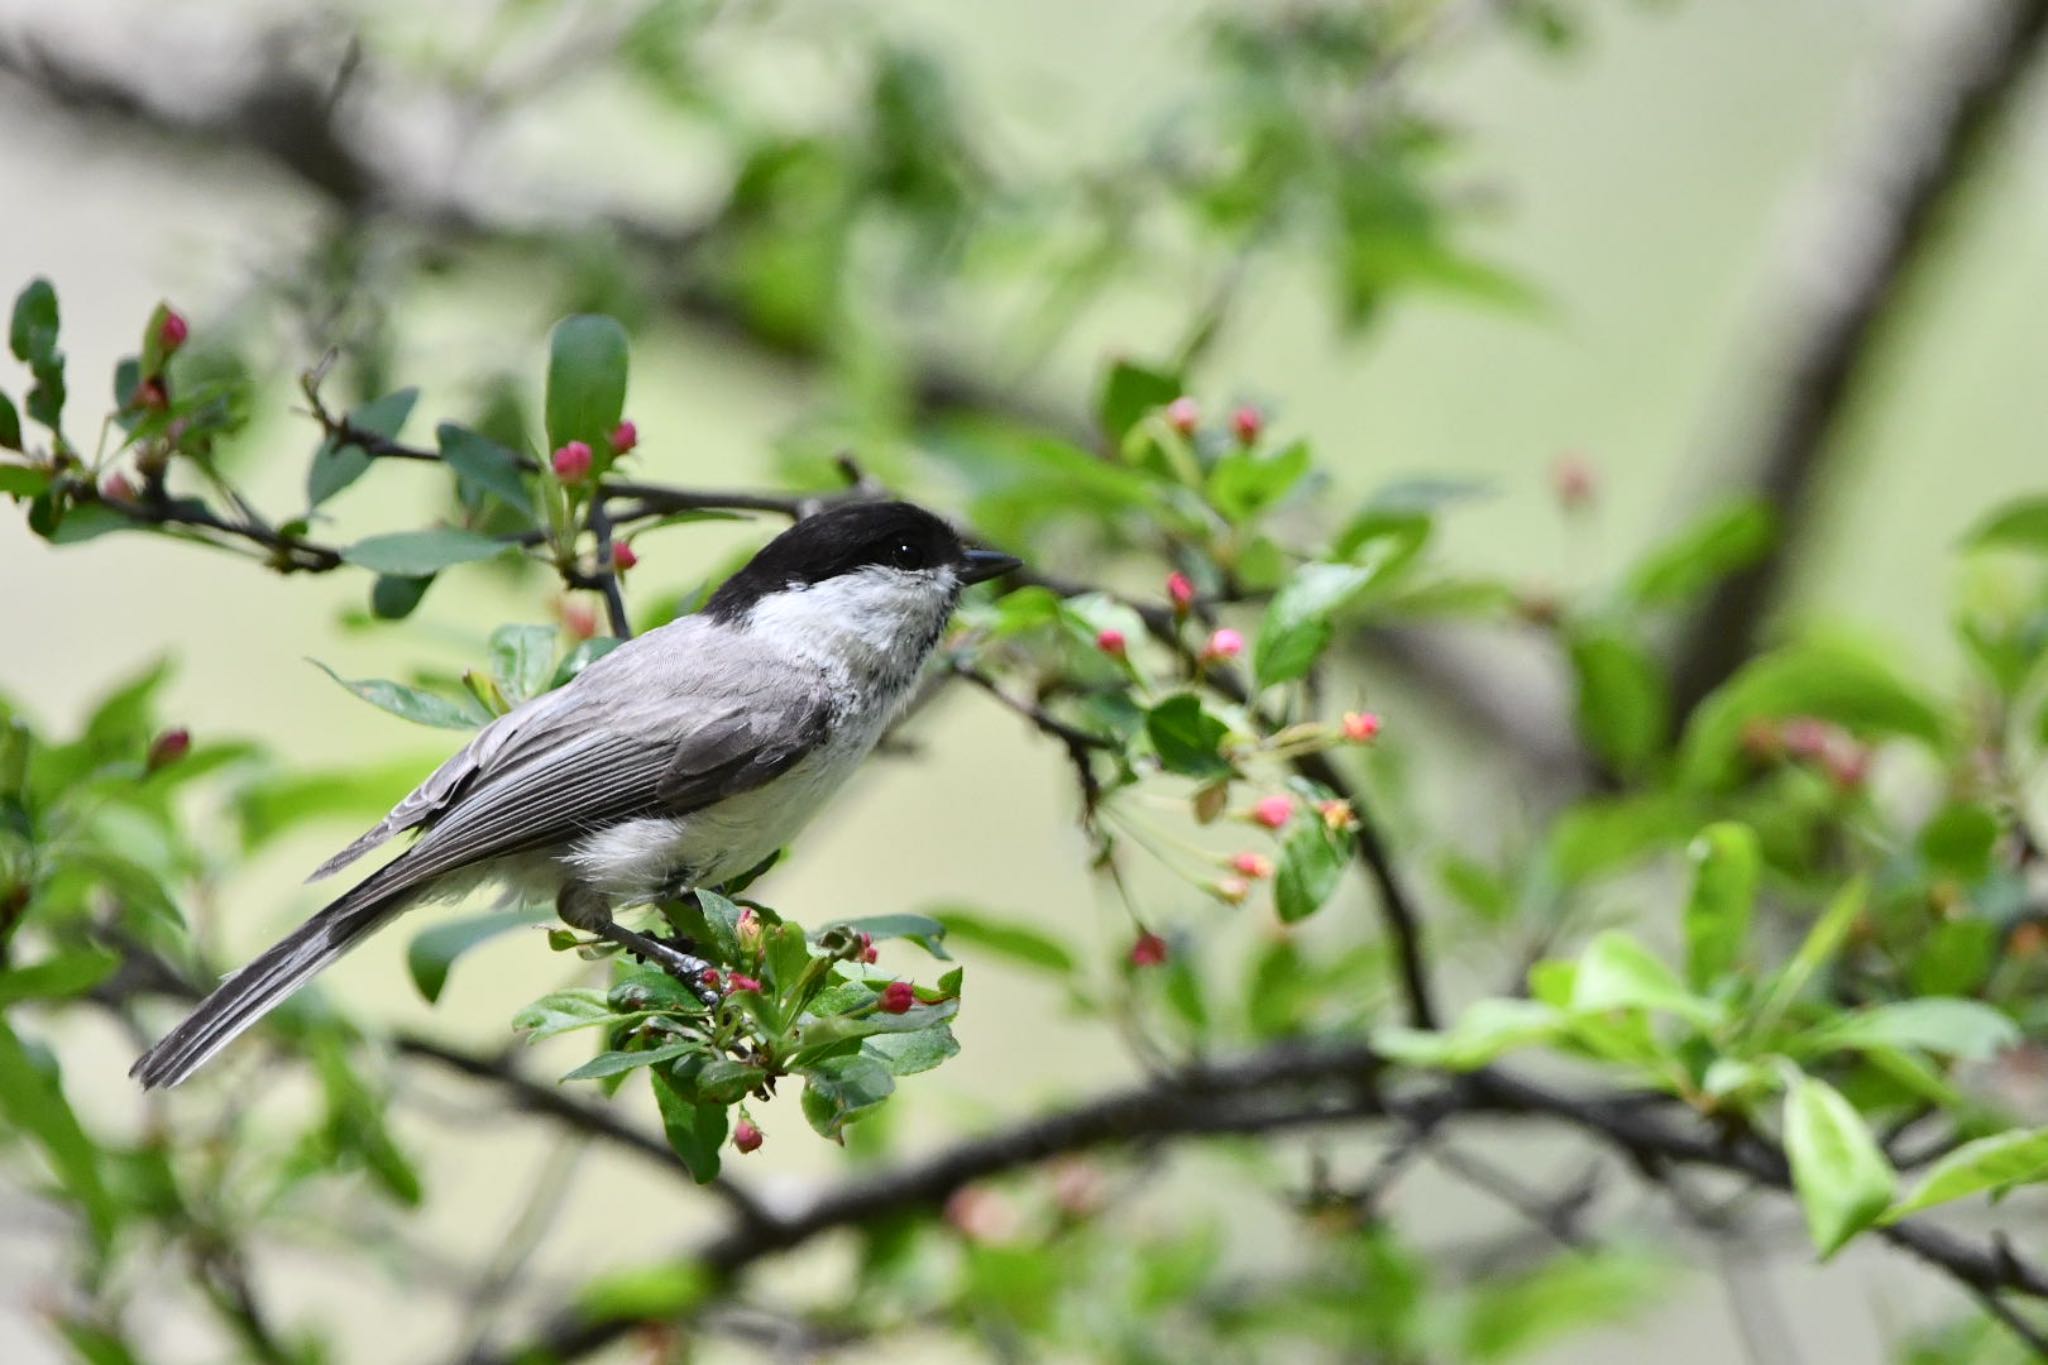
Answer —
(1645, 183)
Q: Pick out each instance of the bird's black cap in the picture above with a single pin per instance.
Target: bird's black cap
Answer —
(845, 539)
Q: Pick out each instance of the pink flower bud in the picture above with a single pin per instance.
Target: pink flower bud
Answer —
(1252, 866)
(1183, 414)
(150, 394)
(1224, 644)
(897, 998)
(713, 978)
(1148, 950)
(748, 929)
(735, 982)
(173, 332)
(746, 1137)
(981, 1215)
(1111, 642)
(1573, 481)
(1231, 890)
(1273, 811)
(1806, 737)
(1248, 422)
(624, 437)
(623, 557)
(867, 947)
(1361, 727)
(1181, 589)
(168, 747)
(579, 619)
(572, 462)
(118, 487)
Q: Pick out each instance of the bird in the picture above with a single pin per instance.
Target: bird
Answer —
(679, 760)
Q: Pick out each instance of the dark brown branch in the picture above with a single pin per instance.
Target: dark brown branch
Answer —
(1845, 289)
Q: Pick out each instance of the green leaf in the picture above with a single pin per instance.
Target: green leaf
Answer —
(618, 1063)
(1244, 483)
(825, 1034)
(1841, 1175)
(659, 1293)
(32, 331)
(1511, 1318)
(838, 1090)
(922, 930)
(409, 703)
(1129, 392)
(522, 660)
(33, 1102)
(482, 463)
(722, 1080)
(1825, 680)
(562, 1012)
(695, 1131)
(586, 396)
(907, 1054)
(432, 952)
(1725, 858)
(337, 465)
(10, 427)
(58, 977)
(1819, 948)
(1993, 1163)
(1485, 1030)
(1720, 542)
(721, 921)
(1311, 864)
(1187, 737)
(1599, 836)
(2019, 525)
(1959, 840)
(1624, 704)
(1008, 939)
(1616, 972)
(1298, 622)
(1968, 1029)
(414, 554)
(394, 597)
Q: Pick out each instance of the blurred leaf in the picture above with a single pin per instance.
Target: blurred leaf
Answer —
(395, 597)
(1507, 1319)
(1968, 1029)
(1483, 1031)
(522, 660)
(484, 464)
(1720, 542)
(1597, 837)
(10, 430)
(432, 953)
(23, 481)
(908, 1054)
(1725, 859)
(562, 1012)
(586, 394)
(1624, 705)
(1822, 941)
(1955, 958)
(1009, 939)
(695, 1131)
(1187, 737)
(1129, 393)
(336, 465)
(1826, 681)
(838, 1090)
(922, 930)
(1312, 862)
(1959, 840)
(34, 1103)
(1993, 1163)
(1298, 622)
(655, 1293)
(413, 554)
(57, 977)
(267, 808)
(1244, 483)
(32, 336)
(409, 703)
(1616, 972)
(2021, 524)
(1842, 1178)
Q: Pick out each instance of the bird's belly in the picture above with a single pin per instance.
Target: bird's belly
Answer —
(640, 860)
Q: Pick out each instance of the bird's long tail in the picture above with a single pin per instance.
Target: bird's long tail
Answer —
(257, 989)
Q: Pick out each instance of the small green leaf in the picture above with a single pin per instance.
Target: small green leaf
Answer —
(1821, 943)
(1311, 864)
(1298, 624)
(2019, 525)
(1129, 392)
(58, 977)
(562, 1012)
(1968, 1029)
(1244, 483)
(522, 660)
(1624, 705)
(1616, 972)
(1725, 858)
(432, 953)
(648, 1294)
(1959, 840)
(1187, 737)
(393, 598)
(1829, 681)
(32, 331)
(33, 1103)
(1841, 1175)
(10, 425)
(1485, 1030)
(908, 1054)
(695, 1131)
(586, 394)
(1993, 1163)
(722, 1080)
(413, 554)
(481, 462)
(922, 930)
(409, 703)
(1720, 542)
(336, 465)
(618, 1063)
(1008, 939)
(839, 1090)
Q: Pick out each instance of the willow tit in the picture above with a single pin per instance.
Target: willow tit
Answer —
(680, 759)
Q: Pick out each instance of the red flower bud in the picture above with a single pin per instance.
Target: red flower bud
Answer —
(150, 393)
(713, 978)
(572, 462)
(1361, 727)
(173, 332)
(736, 982)
(1181, 589)
(579, 619)
(898, 998)
(867, 947)
(1183, 414)
(624, 437)
(746, 1137)
(168, 747)
(1248, 422)
(1111, 642)
(623, 557)
(1273, 811)
(1224, 644)
(1148, 950)
(1252, 866)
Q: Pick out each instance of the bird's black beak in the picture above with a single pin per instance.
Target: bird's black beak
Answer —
(979, 566)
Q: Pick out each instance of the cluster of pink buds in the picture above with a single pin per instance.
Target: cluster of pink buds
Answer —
(867, 947)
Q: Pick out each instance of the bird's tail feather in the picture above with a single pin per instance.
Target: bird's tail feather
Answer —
(257, 989)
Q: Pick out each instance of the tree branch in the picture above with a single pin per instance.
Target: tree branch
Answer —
(1844, 288)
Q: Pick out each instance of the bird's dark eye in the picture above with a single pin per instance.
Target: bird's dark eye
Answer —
(904, 555)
